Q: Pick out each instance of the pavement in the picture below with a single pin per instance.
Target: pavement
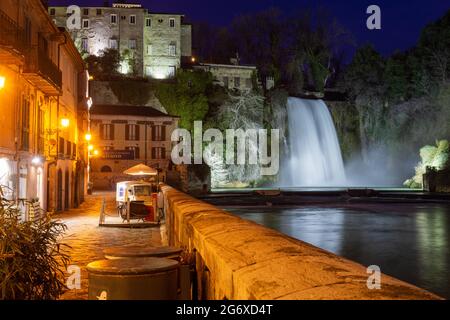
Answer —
(87, 240)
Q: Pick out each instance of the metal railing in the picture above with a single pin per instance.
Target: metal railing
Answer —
(37, 61)
(11, 35)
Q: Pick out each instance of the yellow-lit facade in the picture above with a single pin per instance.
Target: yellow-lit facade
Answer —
(44, 114)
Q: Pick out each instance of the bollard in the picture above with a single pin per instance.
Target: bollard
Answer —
(133, 279)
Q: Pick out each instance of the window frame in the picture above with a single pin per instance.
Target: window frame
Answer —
(113, 15)
(172, 20)
(131, 18)
(83, 23)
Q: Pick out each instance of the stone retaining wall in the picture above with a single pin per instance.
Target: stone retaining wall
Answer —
(238, 259)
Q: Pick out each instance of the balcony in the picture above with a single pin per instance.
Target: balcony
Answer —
(12, 41)
(40, 70)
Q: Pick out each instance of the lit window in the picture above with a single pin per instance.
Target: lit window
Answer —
(148, 22)
(85, 23)
(172, 49)
(132, 19)
(172, 71)
(172, 22)
(113, 44)
(114, 19)
(132, 44)
(84, 45)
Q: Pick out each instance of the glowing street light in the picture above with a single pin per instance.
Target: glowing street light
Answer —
(65, 122)
(95, 152)
(90, 147)
(88, 137)
(36, 161)
(2, 82)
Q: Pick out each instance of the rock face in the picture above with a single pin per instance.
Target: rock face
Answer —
(102, 94)
(238, 259)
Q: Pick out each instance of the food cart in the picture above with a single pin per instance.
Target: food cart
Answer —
(137, 200)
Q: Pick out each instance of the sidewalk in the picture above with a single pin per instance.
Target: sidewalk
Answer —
(88, 240)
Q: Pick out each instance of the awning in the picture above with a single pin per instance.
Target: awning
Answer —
(141, 170)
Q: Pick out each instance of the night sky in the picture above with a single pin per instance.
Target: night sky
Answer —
(402, 20)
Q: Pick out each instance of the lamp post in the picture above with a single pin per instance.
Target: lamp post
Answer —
(2, 82)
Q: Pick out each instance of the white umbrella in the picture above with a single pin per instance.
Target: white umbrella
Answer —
(141, 170)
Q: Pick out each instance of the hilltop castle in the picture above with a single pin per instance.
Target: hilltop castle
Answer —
(151, 44)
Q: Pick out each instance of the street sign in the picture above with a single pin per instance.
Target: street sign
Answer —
(118, 154)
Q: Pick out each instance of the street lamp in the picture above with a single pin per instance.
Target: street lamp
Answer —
(90, 147)
(65, 122)
(2, 82)
(88, 137)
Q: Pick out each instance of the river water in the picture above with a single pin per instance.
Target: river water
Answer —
(408, 241)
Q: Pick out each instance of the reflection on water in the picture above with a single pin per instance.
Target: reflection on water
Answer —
(407, 241)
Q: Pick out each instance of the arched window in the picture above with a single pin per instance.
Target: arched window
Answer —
(106, 169)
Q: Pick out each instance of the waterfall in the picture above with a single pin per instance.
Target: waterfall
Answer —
(314, 158)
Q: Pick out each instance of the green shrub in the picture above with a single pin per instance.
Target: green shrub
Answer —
(32, 266)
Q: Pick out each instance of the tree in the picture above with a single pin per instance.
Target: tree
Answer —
(106, 65)
(186, 97)
(365, 72)
(396, 78)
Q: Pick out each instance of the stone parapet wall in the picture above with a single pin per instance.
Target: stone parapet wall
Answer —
(238, 259)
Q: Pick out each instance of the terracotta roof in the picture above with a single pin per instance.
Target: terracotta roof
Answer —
(128, 111)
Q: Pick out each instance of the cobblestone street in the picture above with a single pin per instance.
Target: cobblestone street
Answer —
(88, 240)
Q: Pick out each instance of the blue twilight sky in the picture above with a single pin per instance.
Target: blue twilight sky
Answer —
(402, 20)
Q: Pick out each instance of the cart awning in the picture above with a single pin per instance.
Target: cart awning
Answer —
(141, 170)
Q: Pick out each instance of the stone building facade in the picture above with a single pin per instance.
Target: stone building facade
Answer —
(150, 44)
(44, 96)
(125, 136)
(231, 76)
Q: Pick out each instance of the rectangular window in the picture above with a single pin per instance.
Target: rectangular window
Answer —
(52, 11)
(85, 45)
(113, 18)
(132, 44)
(237, 82)
(148, 70)
(85, 23)
(149, 49)
(158, 153)
(62, 144)
(86, 12)
(68, 148)
(172, 22)
(148, 22)
(41, 131)
(113, 44)
(172, 49)
(107, 131)
(159, 133)
(132, 19)
(225, 82)
(136, 151)
(99, 12)
(132, 132)
(25, 123)
(172, 71)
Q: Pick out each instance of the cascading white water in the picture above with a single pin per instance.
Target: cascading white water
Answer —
(315, 158)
